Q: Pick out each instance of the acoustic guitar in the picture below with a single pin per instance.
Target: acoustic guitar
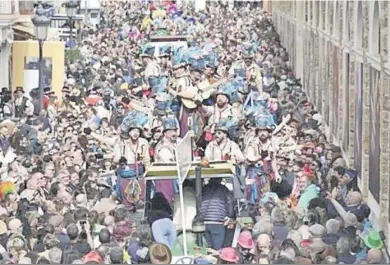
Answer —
(204, 91)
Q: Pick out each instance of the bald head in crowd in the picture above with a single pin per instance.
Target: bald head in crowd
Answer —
(264, 243)
(355, 198)
(374, 256)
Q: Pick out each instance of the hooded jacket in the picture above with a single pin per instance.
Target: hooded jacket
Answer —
(307, 195)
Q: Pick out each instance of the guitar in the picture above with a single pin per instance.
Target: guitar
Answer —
(203, 90)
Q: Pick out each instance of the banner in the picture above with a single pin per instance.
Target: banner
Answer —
(374, 164)
(184, 157)
(358, 118)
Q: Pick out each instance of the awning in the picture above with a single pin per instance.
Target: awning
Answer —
(25, 28)
(28, 28)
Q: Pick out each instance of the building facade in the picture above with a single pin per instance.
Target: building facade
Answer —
(9, 11)
(340, 50)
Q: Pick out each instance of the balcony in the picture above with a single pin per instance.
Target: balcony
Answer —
(9, 11)
(26, 7)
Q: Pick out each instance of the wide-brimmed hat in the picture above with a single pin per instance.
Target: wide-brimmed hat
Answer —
(247, 56)
(229, 254)
(226, 125)
(372, 239)
(221, 126)
(160, 254)
(245, 240)
(19, 89)
(226, 90)
(65, 89)
(135, 124)
(170, 123)
(262, 124)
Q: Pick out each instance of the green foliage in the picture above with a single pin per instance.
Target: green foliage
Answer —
(73, 55)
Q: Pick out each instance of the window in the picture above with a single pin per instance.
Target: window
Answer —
(346, 101)
(94, 15)
(346, 22)
(330, 17)
(375, 31)
(359, 26)
(358, 118)
(374, 116)
(336, 21)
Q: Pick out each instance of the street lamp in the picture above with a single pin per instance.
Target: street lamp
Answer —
(71, 7)
(42, 24)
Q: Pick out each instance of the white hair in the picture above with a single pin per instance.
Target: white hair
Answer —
(295, 236)
(343, 245)
(289, 253)
(267, 228)
(332, 226)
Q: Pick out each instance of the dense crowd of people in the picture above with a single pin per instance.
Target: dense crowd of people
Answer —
(72, 174)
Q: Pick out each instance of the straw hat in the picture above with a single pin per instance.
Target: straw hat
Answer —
(160, 254)
(229, 255)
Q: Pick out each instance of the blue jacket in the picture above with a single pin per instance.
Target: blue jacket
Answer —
(217, 203)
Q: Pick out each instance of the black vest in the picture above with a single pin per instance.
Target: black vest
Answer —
(19, 110)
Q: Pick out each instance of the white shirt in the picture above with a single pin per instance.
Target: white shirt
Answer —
(29, 110)
(255, 147)
(132, 153)
(52, 112)
(165, 152)
(229, 149)
(152, 69)
(216, 114)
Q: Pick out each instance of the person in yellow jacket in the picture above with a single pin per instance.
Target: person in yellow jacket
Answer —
(146, 22)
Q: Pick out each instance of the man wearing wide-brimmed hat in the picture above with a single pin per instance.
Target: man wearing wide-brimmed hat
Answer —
(151, 66)
(222, 109)
(164, 58)
(23, 106)
(132, 152)
(165, 153)
(222, 148)
(260, 153)
(253, 71)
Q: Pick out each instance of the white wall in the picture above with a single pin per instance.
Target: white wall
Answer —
(5, 53)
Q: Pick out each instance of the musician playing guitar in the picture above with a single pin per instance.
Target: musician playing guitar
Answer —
(180, 87)
(191, 95)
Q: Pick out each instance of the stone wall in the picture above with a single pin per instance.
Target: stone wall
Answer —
(322, 28)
